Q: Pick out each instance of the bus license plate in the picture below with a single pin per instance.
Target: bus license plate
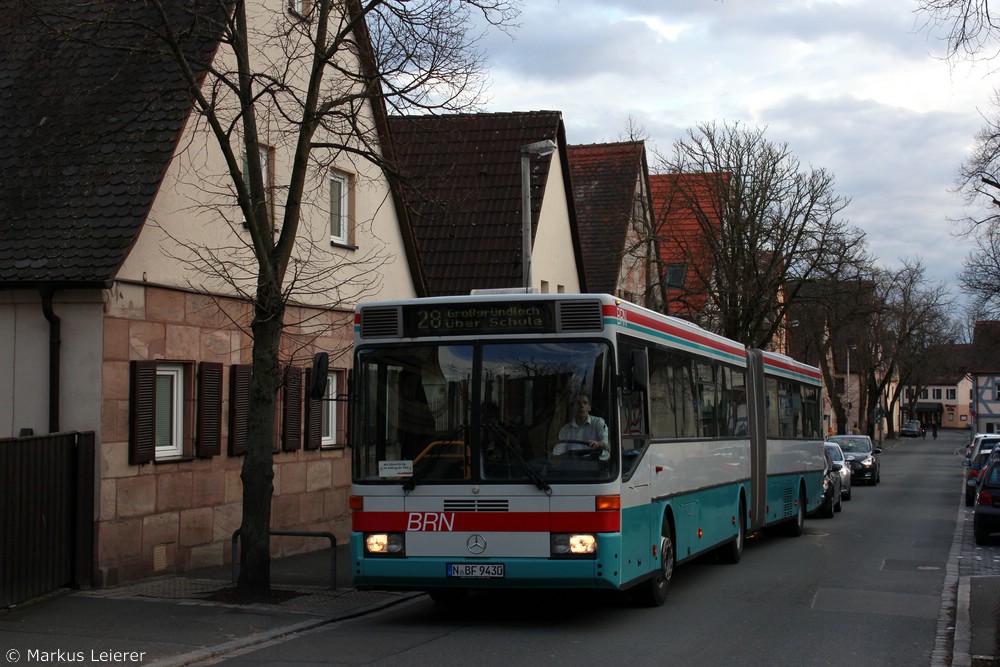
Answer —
(475, 570)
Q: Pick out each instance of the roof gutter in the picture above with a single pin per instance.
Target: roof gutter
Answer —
(55, 344)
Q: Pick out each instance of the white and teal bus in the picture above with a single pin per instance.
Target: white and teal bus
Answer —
(461, 480)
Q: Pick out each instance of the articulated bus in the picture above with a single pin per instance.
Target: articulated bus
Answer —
(465, 477)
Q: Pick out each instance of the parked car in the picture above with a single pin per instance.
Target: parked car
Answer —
(862, 456)
(911, 429)
(837, 454)
(973, 469)
(986, 516)
(832, 489)
(979, 441)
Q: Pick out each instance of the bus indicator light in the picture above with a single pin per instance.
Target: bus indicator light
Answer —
(607, 503)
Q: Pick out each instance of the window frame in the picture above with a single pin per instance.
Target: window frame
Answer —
(175, 448)
(300, 8)
(266, 154)
(676, 276)
(330, 411)
(341, 209)
(195, 413)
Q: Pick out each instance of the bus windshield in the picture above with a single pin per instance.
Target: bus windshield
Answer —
(504, 412)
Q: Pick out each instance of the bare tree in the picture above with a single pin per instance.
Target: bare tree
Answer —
(969, 24)
(972, 31)
(907, 334)
(832, 315)
(765, 227)
(310, 80)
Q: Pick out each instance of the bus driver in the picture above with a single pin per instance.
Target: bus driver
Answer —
(585, 433)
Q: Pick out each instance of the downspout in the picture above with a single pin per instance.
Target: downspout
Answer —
(55, 342)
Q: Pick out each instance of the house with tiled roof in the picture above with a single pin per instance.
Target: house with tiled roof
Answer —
(111, 188)
(611, 195)
(685, 210)
(461, 178)
(984, 367)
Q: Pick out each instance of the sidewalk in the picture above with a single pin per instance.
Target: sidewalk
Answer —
(181, 619)
(975, 572)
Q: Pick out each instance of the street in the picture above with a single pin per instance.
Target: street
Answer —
(863, 588)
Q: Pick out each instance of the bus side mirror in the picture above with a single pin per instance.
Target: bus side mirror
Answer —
(320, 375)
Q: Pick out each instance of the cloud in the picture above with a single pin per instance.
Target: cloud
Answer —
(852, 86)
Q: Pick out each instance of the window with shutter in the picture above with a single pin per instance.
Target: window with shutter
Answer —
(313, 419)
(291, 438)
(209, 436)
(142, 412)
(239, 401)
(161, 425)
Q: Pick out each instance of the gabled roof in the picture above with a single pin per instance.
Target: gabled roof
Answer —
(606, 180)
(90, 115)
(985, 357)
(461, 181)
(678, 201)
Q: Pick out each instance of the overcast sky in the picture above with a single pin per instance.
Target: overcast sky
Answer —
(858, 87)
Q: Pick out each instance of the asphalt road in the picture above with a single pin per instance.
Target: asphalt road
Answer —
(863, 588)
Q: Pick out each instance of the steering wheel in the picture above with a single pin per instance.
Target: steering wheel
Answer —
(580, 453)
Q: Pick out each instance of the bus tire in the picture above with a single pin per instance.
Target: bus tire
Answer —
(653, 591)
(798, 523)
(732, 551)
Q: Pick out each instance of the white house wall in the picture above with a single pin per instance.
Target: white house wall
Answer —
(24, 362)
(553, 261)
(196, 207)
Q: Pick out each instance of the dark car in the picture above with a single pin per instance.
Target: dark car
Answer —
(911, 429)
(832, 489)
(837, 454)
(986, 519)
(862, 456)
(973, 469)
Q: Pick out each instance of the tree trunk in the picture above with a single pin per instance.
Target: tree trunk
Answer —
(258, 467)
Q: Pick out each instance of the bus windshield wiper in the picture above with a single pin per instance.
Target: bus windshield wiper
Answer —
(500, 433)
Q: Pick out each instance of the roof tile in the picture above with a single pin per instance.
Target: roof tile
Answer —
(90, 112)
(461, 179)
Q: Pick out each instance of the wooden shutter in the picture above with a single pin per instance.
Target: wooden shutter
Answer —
(209, 434)
(239, 401)
(291, 438)
(142, 412)
(314, 418)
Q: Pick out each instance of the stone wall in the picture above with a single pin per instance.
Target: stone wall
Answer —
(180, 516)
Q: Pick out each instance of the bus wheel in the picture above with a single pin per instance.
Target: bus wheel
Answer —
(732, 551)
(653, 591)
(448, 596)
(798, 524)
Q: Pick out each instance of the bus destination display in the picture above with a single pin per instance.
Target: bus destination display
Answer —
(478, 319)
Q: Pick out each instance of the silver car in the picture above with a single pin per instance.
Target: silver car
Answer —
(837, 454)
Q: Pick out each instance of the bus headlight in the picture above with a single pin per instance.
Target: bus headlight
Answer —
(573, 545)
(385, 544)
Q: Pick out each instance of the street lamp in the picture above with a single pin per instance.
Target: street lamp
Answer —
(542, 148)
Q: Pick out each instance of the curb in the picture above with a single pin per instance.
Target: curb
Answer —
(218, 650)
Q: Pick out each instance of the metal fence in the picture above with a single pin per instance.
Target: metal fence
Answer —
(46, 514)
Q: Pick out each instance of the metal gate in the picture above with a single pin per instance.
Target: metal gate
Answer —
(46, 514)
